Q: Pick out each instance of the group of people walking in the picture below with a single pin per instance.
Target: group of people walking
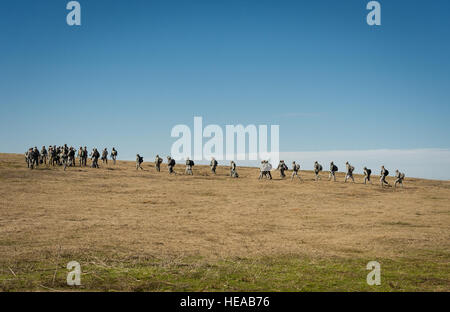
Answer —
(66, 156)
(318, 168)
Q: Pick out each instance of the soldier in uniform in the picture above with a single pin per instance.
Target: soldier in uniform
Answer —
(36, 156)
(114, 155)
(29, 158)
(44, 155)
(233, 172)
(349, 174)
(65, 157)
(282, 167)
(94, 157)
(189, 164)
(158, 162)
(170, 164)
(317, 169)
(53, 156)
(80, 156)
(85, 156)
(213, 164)
(384, 173)
(367, 173)
(399, 178)
(139, 161)
(333, 170)
(295, 170)
(71, 156)
(105, 156)
(265, 170)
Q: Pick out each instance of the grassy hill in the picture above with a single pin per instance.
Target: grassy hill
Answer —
(146, 231)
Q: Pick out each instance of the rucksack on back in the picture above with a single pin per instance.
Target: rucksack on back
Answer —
(386, 172)
(335, 168)
(369, 172)
(320, 167)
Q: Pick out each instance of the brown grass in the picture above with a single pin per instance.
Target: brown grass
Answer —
(120, 212)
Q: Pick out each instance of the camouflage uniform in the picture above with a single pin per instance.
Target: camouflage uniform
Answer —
(189, 164)
(105, 156)
(213, 164)
(44, 155)
(333, 170)
(282, 167)
(349, 174)
(139, 161)
(114, 155)
(367, 173)
(233, 172)
(384, 174)
(317, 169)
(158, 162)
(295, 170)
(170, 164)
(399, 178)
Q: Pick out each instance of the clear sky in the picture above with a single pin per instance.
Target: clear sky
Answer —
(134, 69)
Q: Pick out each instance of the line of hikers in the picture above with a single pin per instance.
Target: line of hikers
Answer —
(266, 167)
(189, 165)
(65, 156)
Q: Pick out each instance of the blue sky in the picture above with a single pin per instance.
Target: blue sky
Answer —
(134, 69)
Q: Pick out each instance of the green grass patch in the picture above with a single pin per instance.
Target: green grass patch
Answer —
(284, 273)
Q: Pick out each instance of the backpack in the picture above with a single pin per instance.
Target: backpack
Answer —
(402, 175)
(141, 159)
(191, 162)
(369, 172)
(320, 167)
(386, 172)
(335, 168)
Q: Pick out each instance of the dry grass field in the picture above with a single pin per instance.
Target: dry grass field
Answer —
(147, 231)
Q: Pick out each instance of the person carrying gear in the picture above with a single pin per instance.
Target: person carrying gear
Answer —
(30, 158)
(105, 156)
(94, 157)
(170, 164)
(317, 169)
(85, 156)
(114, 155)
(139, 161)
(295, 170)
(399, 178)
(384, 173)
(367, 173)
(282, 167)
(36, 156)
(65, 158)
(189, 165)
(71, 156)
(44, 155)
(158, 162)
(213, 164)
(233, 172)
(333, 170)
(79, 155)
(54, 156)
(265, 170)
(349, 174)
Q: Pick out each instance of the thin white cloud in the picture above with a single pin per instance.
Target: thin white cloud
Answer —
(433, 163)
